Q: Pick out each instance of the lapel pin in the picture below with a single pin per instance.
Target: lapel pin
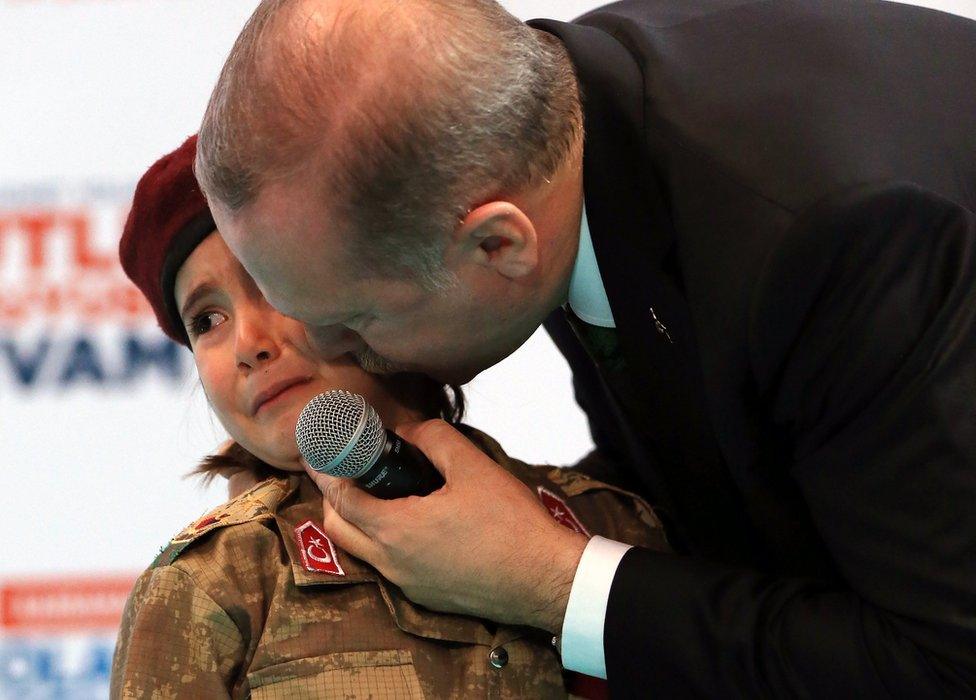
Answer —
(661, 328)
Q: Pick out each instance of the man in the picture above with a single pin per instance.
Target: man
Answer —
(764, 249)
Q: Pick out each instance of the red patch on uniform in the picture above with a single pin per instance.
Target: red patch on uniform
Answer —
(318, 552)
(561, 512)
(587, 687)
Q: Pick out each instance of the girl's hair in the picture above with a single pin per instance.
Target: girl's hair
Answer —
(417, 392)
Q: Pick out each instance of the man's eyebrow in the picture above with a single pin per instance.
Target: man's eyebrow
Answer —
(201, 290)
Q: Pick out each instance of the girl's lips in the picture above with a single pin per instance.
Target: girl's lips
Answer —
(277, 391)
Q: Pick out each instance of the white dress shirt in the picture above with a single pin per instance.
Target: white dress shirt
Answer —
(582, 631)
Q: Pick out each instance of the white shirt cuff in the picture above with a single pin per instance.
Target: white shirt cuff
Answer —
(582, 633)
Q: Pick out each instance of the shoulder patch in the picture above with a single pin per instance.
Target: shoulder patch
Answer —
(560, 511)
(318, 552)
(257, 502)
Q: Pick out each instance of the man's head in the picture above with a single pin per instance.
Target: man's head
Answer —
(401, 171)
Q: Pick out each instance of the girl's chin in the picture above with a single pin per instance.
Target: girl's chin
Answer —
(287, 463)
(285, 459)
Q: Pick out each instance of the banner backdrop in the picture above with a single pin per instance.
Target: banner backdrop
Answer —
(100, 415)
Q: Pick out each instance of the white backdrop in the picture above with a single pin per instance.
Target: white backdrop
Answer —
(99, 417)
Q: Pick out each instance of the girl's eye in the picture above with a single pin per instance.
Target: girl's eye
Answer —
(205, 322)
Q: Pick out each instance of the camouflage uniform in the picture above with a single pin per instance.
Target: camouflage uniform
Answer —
(228, 609)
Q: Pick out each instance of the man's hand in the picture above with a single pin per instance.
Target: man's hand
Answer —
(481, 545)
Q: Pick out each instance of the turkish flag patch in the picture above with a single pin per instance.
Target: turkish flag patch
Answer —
(561, 512)
(318, 552)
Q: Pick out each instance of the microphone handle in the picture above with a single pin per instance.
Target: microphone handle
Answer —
(401, 470)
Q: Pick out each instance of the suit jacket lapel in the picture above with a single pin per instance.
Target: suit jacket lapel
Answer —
(634, 238)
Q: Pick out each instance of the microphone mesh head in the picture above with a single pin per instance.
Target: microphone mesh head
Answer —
(340, 434)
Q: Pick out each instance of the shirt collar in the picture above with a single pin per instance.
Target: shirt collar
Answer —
(587, 295)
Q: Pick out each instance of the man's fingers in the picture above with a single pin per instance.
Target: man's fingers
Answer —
(321, 479)
(352, 504)
(444, 446)
(343, 513)
(348, 537)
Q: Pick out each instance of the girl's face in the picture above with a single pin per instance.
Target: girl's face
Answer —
(256, 365)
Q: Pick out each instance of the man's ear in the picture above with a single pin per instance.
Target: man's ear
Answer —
(499, 235)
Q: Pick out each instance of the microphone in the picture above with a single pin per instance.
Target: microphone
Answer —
(340, 434)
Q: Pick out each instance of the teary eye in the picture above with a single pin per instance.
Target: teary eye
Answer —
(205, 322)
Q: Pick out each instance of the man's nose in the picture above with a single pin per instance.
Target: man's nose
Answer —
(330, 342)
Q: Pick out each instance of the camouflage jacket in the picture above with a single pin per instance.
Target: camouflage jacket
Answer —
(235, 607)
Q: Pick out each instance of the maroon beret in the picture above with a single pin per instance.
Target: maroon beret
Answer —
(168, 219)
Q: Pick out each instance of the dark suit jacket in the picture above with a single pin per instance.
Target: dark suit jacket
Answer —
(788, 187)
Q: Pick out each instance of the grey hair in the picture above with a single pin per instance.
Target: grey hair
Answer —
(407, 113)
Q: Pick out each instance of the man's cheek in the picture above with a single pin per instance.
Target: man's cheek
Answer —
(330, 342)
